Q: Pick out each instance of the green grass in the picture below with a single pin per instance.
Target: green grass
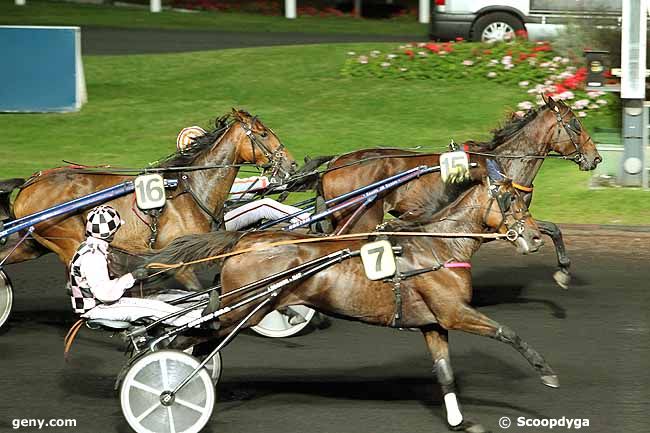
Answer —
(137, 105)
(38, 12)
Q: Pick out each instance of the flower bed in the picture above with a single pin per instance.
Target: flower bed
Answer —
(533, 67)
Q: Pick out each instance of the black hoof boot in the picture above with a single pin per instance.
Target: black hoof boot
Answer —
(470, 427)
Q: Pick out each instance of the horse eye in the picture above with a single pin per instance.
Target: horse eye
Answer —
(264, 134)
(575, 125)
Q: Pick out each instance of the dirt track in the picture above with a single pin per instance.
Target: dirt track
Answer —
(361, 379)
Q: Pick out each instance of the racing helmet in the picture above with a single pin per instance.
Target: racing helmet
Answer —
(103, 222)
(187, 136)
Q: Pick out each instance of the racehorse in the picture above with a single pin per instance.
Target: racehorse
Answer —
(520, 148)
(434, 280)
(205, 171)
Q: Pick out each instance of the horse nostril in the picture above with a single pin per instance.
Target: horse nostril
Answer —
(537, 241)
(598, 160)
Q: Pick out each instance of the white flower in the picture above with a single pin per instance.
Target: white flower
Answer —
(540, 101)
(595, 93)
(565, 60)
(566, 95)
(468, 62)
(391, 56)
(548, 82)
(384, 64)
(363, 60)
(520, 113)
(403, 69)
(351, 53)
(421, 44)
(565, 74)
(375, 53)
(581, 103)
(491, 74)
(545, 64)
(442, 52)
(422, 53)
(494, 61)
(506, 60)
(582, 114)
(557, 58)
(524, 84)
(508, 66)
(552, 68)
(593, 106)
(601, 102)
(525, 105)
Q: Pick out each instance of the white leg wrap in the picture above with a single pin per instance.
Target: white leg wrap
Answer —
(454, 417)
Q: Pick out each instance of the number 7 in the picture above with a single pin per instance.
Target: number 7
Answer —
(380, 253)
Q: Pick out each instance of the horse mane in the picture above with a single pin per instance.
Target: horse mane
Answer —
(509, 129)
(199, 145)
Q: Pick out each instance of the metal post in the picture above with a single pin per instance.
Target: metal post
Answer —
(20, 2)
(290, 9)
(155, 6)
(424, 11)
(633, 61)
(357, 8)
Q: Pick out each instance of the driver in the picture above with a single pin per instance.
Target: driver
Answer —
(94, 294)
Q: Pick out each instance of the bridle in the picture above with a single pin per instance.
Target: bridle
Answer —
(275, 157)
(572, 129)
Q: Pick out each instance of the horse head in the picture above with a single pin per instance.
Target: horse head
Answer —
(260, 145)
(506, 213)
(568, 136)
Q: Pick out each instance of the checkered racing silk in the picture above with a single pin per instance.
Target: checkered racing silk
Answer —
(82, 298)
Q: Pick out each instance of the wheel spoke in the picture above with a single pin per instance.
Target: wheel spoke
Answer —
(148, 412)
(275, 320)
(145, 388)
(163, 373)
(189, 405)
(172, 427)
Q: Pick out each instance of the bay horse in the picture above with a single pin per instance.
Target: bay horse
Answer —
(519, 147)
(194, 207)
(435, 282)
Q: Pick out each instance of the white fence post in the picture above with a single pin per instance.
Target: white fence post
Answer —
(155, 6)
(290, 9)
(424, 11)
(20, 2)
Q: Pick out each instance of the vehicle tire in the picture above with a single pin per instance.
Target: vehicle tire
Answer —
(278, 324)
(495, 27)
(6, 297)
(214, 366)
(159, 372)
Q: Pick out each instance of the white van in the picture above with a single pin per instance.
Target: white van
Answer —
(485, 20)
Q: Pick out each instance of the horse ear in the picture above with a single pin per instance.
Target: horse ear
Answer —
(550, 102)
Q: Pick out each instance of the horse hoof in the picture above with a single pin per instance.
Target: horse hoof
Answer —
(562, 278)
(551, 380)
(470, 427)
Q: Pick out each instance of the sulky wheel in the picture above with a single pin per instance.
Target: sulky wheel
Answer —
(286, 322)
(6, 297)
(213, 366)
(147, 403)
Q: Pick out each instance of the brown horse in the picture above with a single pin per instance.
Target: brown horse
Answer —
(194, 207)
(520, 148)
(434, 294)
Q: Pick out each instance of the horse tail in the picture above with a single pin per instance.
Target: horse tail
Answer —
(194, 247)
(6, 188)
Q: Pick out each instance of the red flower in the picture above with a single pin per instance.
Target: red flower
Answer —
(434, 48)
(521, 34)
(409, 53)
(487, 51)
(545, 47)
(459, 39)
(523, 56)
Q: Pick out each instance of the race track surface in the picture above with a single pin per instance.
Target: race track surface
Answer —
(113, 41)
(354, 378)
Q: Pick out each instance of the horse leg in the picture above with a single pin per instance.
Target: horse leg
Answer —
(562, 277)
(437, 340)
(470, 320)
(29, 249)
